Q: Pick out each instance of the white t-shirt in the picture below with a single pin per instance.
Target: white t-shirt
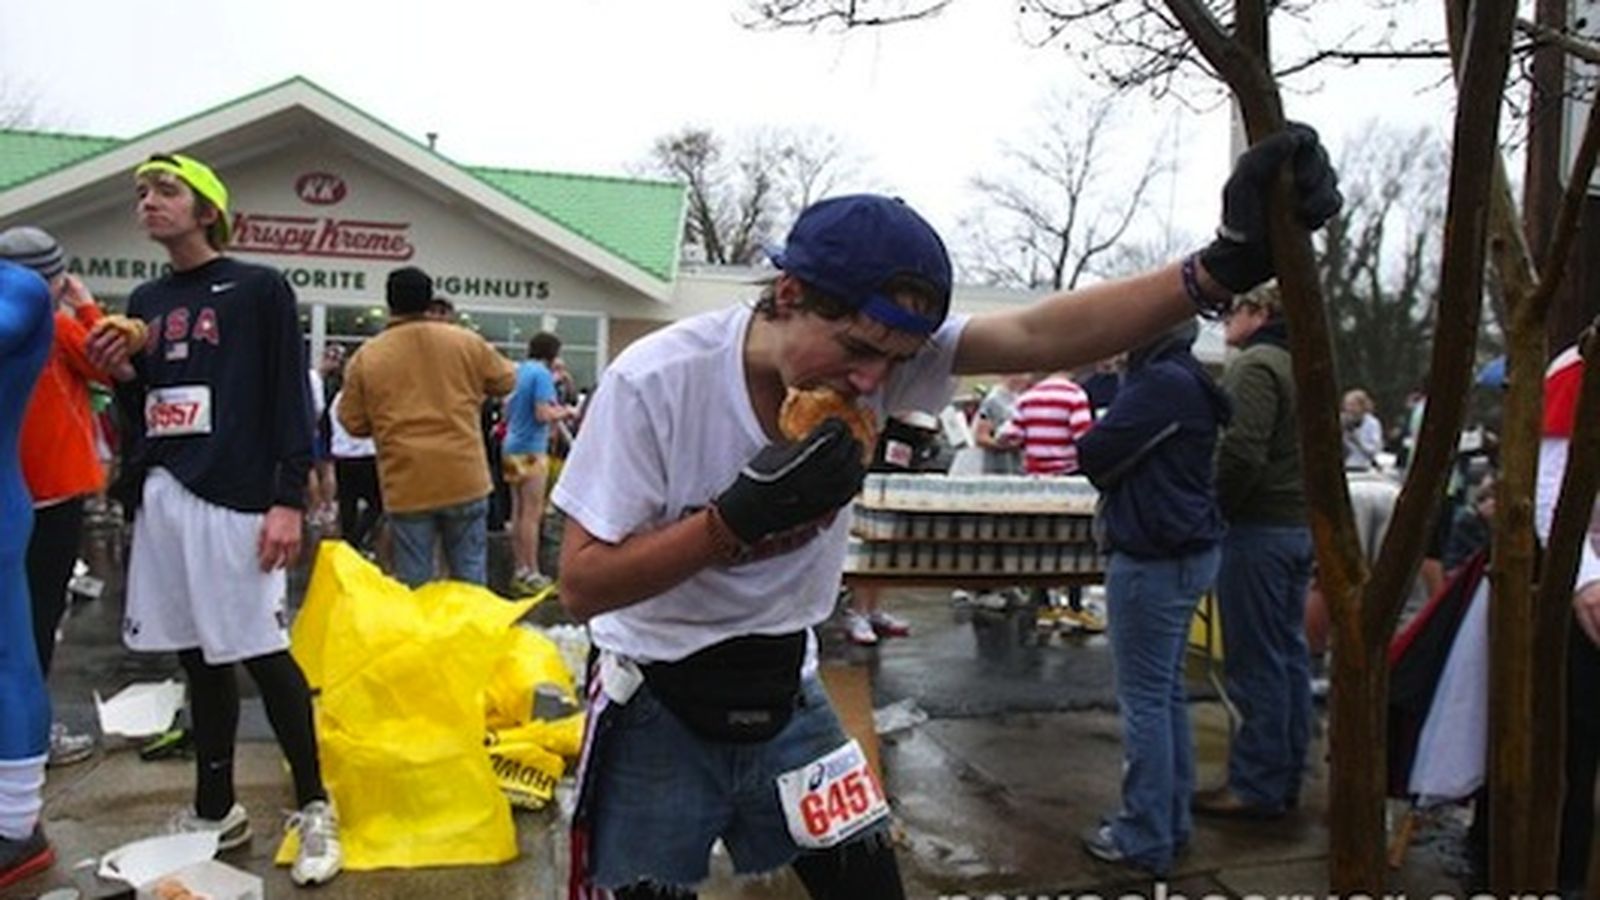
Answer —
(342, 444)
(318, 401)
(668, 429)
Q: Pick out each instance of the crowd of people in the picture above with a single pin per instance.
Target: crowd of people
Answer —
(700, 547)
(686, 515)
(231, 449)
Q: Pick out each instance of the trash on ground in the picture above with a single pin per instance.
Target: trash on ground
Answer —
(142, 862)
(82, 584)
(898, 716)
(205, 880)
(140, 710)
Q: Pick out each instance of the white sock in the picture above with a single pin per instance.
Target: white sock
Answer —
(21, 796)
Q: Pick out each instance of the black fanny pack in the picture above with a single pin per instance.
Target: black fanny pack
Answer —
(740, 691)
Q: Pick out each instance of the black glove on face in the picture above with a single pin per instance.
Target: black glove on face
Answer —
(1241, 256)
(787, 485)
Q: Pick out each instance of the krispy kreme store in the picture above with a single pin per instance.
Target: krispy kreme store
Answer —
(336, 200)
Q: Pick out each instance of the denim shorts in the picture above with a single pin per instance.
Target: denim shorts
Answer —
(662, 795)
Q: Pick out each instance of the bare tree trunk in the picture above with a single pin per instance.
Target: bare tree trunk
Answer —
(1528, 631)
(1364, 615)
(1360, 664)
(1523, 832)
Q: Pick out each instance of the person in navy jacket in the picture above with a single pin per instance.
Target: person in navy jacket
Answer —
(1151, 458)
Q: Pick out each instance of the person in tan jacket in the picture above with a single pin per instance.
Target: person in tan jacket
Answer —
(417, 389)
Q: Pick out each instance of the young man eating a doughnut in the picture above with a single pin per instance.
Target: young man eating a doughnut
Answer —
(703, 544)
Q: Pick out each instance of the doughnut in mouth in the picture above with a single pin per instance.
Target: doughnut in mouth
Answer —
(804, 410)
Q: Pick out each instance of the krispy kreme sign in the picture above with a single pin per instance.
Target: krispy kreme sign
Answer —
(325, 236)
(331, 237)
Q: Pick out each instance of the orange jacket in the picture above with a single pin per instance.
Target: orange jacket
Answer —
(58, 448)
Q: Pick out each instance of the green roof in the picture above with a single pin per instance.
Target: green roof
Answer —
(637, 220)
(26, 155)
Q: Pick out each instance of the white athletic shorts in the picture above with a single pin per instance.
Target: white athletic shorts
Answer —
(195, 580)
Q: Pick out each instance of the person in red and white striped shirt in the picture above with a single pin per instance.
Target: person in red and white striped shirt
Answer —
(1050, 418)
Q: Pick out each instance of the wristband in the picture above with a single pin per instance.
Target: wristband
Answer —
(730, 549)
(1209, 306)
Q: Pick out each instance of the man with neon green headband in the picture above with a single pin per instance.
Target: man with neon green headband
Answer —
(219, 444)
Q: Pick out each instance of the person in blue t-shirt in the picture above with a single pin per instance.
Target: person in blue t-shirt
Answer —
(530, 411)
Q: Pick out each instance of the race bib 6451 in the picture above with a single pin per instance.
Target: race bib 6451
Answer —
(831, 799)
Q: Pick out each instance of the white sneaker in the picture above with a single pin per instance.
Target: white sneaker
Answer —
(320, 856)
(67, 747)
(889, 625)
(1320, 686)
(233, 829)
(859, 629)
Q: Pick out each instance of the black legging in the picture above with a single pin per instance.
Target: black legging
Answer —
(214, 709)
(358, 483)
(850, 871)
(52, 550)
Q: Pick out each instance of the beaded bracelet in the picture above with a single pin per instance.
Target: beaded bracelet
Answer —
(1208, 306)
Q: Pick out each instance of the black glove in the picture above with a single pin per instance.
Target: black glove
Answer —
(1241, 256)
(787, 485)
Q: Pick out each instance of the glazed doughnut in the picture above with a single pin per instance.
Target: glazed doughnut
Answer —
(133, 330)
(804, 410)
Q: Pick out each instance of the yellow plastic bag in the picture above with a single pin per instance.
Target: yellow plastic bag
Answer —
(400, 719)
(530, 755)
(529, 759)
(531, 660)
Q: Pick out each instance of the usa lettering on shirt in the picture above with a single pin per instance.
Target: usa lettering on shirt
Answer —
(176, 331)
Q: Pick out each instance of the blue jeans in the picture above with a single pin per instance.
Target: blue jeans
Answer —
(1261, 593)
(1151, 603)
(662, 795)
(464, 530)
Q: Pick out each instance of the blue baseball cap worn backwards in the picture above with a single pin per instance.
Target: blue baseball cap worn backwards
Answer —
(850, 247)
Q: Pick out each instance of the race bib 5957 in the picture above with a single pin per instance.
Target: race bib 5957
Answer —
(177, 411)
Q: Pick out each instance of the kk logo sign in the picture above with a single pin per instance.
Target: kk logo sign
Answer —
(320, 188)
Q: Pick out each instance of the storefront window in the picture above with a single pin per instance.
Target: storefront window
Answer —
(351, 324)
(507, 331)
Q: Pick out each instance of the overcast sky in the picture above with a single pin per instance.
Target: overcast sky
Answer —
(586, 85)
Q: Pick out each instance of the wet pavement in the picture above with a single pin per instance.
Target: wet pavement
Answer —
(1019, 754)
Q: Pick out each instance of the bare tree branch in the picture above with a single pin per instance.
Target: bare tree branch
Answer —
(1379, 262)
(1569, 44)
(19, 105)
(1056, 211)
(739, 198)
(842, 14)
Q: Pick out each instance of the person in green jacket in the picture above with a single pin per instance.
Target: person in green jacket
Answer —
(1266, 566)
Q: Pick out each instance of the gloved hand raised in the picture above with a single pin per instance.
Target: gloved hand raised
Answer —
(790, 484)
(1241, 256)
